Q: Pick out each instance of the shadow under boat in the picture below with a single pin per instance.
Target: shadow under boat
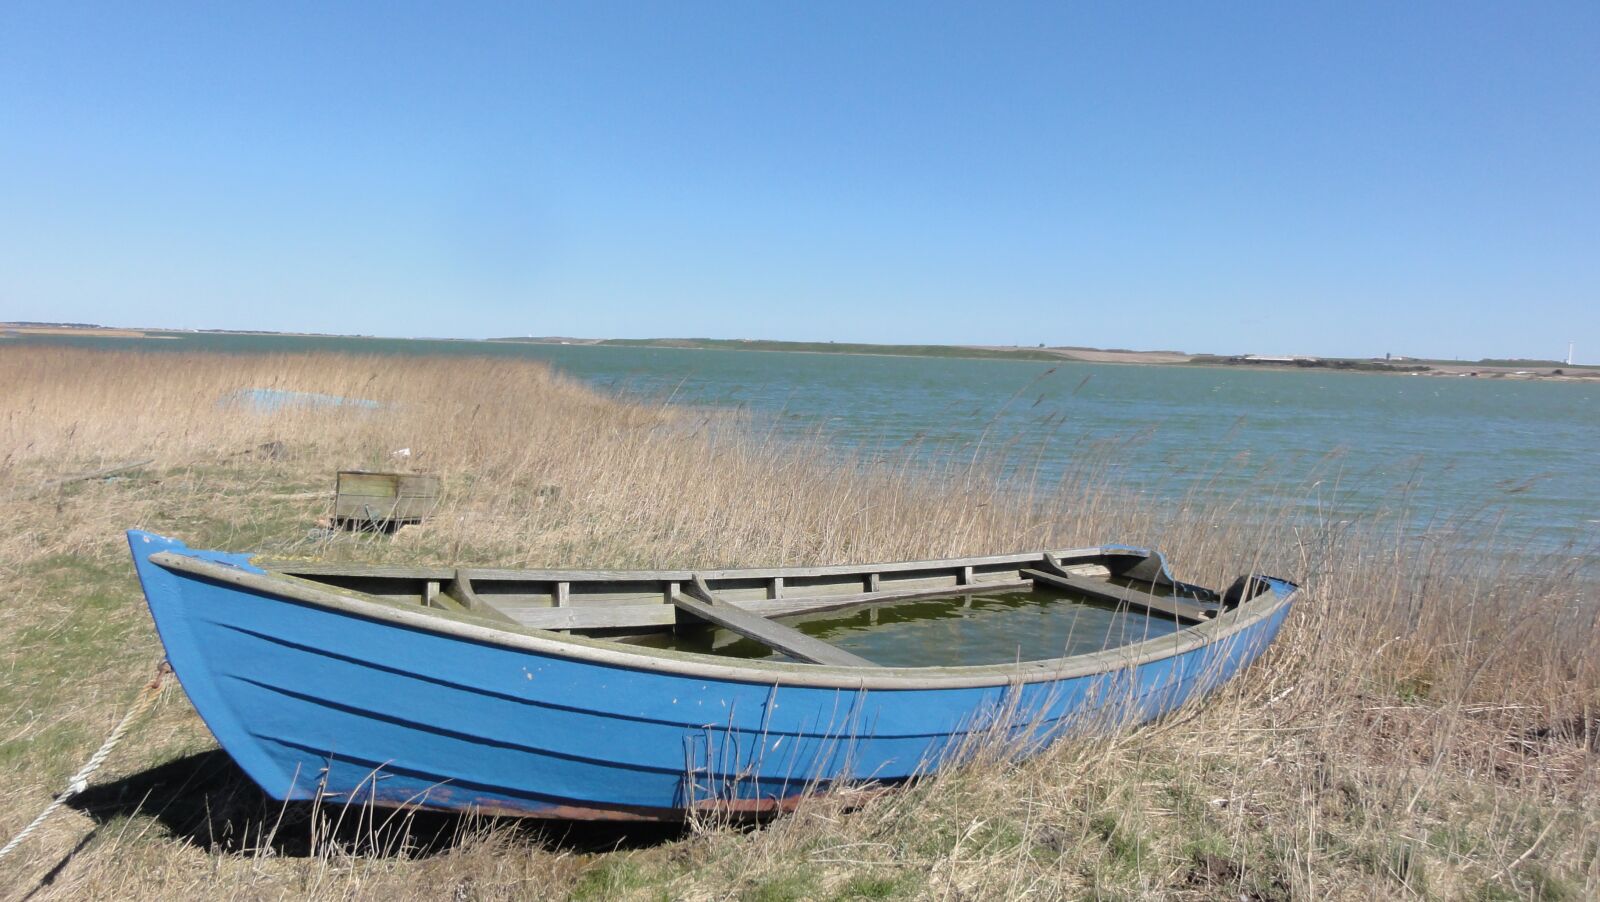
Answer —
(206, 800)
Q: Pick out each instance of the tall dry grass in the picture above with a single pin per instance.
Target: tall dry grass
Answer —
(1425, 726)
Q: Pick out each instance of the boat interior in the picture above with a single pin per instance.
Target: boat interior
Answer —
(639, 606)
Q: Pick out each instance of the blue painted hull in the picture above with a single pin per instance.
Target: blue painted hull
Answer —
(318, 702)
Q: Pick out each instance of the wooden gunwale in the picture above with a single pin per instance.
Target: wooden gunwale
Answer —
(649, 613)
(815, 604)
(566, 599)
(306, 568)
(468, 627)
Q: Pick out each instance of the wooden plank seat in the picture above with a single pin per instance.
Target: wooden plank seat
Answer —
(700, 602)
(1051, 573)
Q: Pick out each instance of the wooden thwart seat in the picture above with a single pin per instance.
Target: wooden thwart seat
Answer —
(1054, 575)
(458, 593)
(698, 600)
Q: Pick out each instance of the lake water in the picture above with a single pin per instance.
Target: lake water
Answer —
(1520, 458)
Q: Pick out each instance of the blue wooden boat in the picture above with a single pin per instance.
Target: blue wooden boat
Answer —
(530, 693)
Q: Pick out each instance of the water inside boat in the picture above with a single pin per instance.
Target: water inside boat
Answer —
(964, 630)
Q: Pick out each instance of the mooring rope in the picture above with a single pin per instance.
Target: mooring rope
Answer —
(80, 780)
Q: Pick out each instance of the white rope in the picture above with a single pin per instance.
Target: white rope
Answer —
(80, 780)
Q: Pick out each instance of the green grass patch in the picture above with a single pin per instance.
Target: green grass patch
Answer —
(1126, 846)
(789, 885)
(1397, 860)
(615, 876)
(874, 885)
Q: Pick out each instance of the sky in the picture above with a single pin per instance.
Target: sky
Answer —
(1345, 179)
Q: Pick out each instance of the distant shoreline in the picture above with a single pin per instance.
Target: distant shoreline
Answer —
(1512, 369)
(1542, 370)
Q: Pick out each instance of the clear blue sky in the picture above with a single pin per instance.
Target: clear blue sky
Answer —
(1404, 177)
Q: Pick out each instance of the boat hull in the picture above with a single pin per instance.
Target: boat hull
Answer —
(340, 703)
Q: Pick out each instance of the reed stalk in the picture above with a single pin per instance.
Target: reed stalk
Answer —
(1426, 725)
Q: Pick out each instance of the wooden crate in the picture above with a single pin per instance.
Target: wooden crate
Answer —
(363, 497)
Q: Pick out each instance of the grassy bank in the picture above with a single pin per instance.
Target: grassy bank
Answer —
(1426, 726)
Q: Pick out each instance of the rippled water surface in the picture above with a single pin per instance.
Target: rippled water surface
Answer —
(1519, 459)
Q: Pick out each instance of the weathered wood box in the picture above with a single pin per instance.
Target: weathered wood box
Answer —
(366, 499)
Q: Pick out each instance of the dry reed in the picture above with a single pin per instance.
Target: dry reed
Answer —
(1426, 725)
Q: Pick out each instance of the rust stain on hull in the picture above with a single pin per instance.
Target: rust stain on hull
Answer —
(442, 799)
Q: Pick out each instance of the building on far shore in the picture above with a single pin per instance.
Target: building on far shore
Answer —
(1275, 358)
